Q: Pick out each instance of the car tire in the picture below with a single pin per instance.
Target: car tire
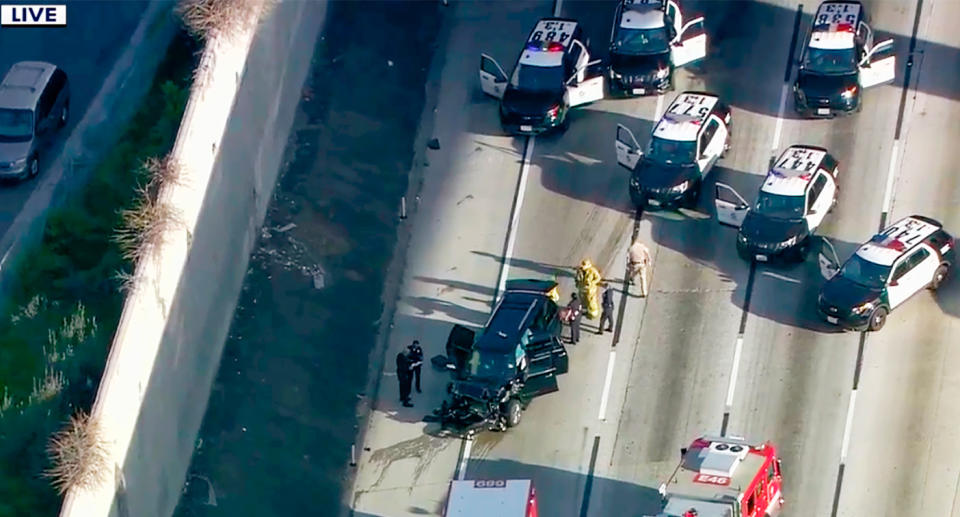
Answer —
(64, 115)
(513, 411)
(939, 276)
(877, 319)
(692, 199)
(33, 168)
(803, 251)
(565, 125)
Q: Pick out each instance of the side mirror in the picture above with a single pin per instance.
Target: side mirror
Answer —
(742, 206)
(812, 212)
(894, 283)
(683, 452)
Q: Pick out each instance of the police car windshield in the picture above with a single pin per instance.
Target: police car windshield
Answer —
(490, 365)
(780, 207)
(672, 152)
(538, 78)
(642, 41)
(865, 273)
(830, 61)
(15, 125)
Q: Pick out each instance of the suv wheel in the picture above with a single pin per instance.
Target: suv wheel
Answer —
(513, 412)
(938, 277)
(33, 167)
(877, 319)
(64, 115)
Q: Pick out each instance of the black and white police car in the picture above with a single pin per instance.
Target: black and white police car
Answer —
(550, 77)
(839, 60)
(650, 38)
(689, 138)
(909, 255)
(798, 192)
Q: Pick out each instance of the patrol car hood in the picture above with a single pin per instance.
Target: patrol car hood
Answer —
(759, 228)
(12, 151)
(655, 175)
(532, 103)
(819, 85)
(844, 294)
(636, 65)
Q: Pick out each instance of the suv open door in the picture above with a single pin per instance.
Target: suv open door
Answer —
(829, 262)
(628, 150)
(493, 81)
(879, 65)
(459, 346)
(690, 44)
(581, 92)
(731, 207)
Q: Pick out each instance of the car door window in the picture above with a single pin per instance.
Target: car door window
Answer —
(707, 136)
(815, 190)
(909, 263)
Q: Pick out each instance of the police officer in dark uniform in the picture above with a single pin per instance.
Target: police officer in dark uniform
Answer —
(576, 315)
(606, 302)
(404, 376)
(416, 358)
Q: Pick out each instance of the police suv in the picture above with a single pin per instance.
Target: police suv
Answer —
(650, 38)
(839, 60)
(797, 194)
(689, 138)
(550, 77)
(909, 255)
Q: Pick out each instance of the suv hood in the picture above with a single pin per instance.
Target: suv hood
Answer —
(477, 389)
(652, 174)
(769, 230)
(628, 64)
(844, 294)
(533, 103)
(821, 85)
(12, 151)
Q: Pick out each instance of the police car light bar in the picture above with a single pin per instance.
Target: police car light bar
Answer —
(551, 46)
(845, 27)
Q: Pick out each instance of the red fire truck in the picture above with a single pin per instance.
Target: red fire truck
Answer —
(492, 497)
(724, 477)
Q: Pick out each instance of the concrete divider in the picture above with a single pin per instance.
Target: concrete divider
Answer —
(171, 335)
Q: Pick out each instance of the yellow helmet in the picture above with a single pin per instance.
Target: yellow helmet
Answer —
(586, 264)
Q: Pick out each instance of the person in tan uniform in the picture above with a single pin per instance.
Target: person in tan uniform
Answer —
(639, 263)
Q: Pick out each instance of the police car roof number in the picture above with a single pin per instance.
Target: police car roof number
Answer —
(692, 105)
(551, 30)
(799, 159)
(838, 13)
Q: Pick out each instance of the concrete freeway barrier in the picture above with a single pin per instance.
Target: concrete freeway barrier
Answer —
(171, 334)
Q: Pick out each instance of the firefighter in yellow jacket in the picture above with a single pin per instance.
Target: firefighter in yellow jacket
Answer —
(588, 280)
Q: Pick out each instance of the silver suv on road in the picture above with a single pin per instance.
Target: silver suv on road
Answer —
(34, 103)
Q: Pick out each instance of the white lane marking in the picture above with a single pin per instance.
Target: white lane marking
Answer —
(659, 111)
(606, 386)
(557, 7)
(462, 469)
(848, 427)
(512, 229)
(778, 276)
(779, 128)
(891, 174)
(734, 372)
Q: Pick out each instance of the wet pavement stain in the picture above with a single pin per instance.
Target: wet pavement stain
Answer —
(423, 449)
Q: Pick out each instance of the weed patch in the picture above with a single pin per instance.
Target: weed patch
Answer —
(58, 325)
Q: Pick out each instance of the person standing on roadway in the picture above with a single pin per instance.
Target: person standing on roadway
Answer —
(606, 303)
(416, 356)
(638, 262)
(404, 376)
(575, 311)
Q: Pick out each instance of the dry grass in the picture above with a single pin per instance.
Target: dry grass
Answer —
(209, 19)
(78, 455)
(144, 225)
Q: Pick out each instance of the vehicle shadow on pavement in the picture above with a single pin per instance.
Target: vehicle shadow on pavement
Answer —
(948, 295)
(561, 493)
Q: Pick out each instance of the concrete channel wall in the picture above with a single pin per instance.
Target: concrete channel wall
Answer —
(171, 335)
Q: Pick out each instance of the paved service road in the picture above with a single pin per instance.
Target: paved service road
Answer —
(720, 345)
(86, 49)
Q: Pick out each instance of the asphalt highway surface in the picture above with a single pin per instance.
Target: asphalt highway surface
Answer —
(86, 49)
(866, 424)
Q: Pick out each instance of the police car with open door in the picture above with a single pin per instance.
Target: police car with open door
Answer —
(839, 60)
(909, 255)
(650, 38)
(552, 75)
(799, 191)
(686, 142)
